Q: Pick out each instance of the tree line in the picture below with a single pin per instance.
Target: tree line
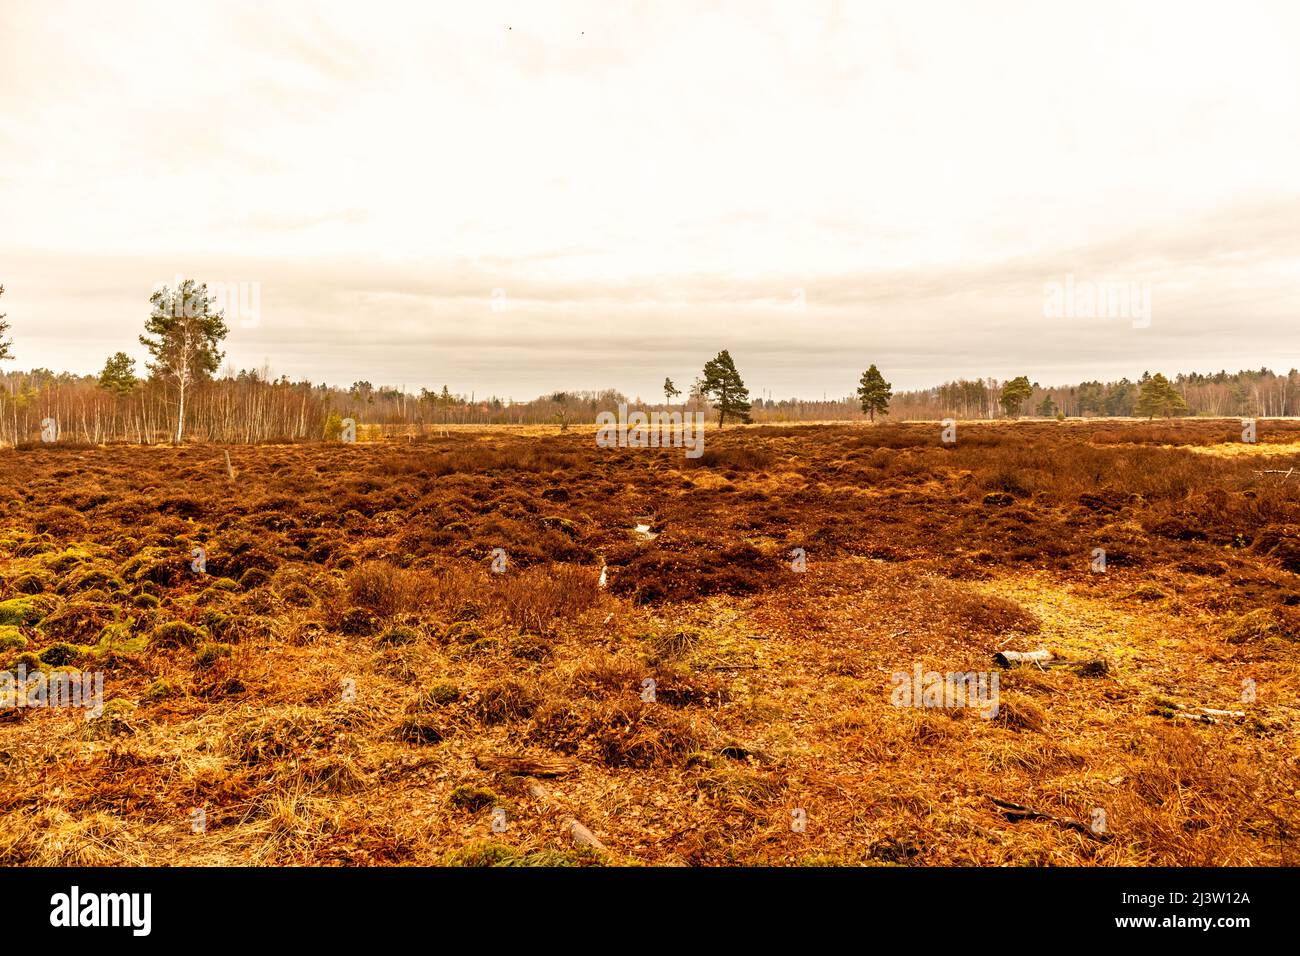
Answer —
(183, 395)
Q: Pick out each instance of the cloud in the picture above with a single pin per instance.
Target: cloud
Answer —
(814, 189)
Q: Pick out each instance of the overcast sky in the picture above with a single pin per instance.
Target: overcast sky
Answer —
(513, 198)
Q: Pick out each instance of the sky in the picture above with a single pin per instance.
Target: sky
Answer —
(513, 198)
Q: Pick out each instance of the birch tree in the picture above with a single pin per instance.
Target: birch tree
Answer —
(182, 334)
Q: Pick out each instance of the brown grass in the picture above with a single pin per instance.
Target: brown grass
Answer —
(323, 690)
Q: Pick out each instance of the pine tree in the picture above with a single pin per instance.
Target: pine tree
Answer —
(874, 393)
(1014, 394)
(1159, 397)
(4, 327)
(671, 391)
(722, 387)
(182, 334)
(118, 375)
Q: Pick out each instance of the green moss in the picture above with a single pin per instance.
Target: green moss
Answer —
(113, 721)
(1147, 592)
(466, 797)
(119, 707)
(421, 729)
(176, 634)
(76, 619)
(297, 595)
(398, 636)
(62, 654)
(439, 695)
(26, 660)
(483, 853)
(209, 596)
(562, 524)
(36, 544)
(161, 690)
(93, 578)
(162, 566)
(11, 639)
(30, 582)
(1256, 625)
(824, 860)
(222, 625)
(462, 632)
(63, 561)
(254, 578)
(22, 611)
(529, 647)
(210, 653)
(1164, 706)
(117, 638)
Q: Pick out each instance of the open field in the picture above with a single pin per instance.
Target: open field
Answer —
(340, 683)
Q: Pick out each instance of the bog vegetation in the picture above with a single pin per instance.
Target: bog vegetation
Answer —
(348, 680)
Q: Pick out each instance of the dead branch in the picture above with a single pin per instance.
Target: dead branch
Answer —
(1017, 811)
(524, 766)
(577, 832)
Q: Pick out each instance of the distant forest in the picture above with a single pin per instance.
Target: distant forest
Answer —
(253, 406)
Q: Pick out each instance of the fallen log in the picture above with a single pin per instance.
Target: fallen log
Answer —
(1044, 660)
(577, 832)
(1012, 658)
(525, 766)
(1206, 715)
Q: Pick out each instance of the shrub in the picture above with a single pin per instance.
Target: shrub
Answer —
(384, 589)
(504, 701)
(358, 621)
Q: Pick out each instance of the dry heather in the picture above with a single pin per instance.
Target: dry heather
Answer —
(343, 682)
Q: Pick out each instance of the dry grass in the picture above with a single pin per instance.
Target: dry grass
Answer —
(322, 692)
